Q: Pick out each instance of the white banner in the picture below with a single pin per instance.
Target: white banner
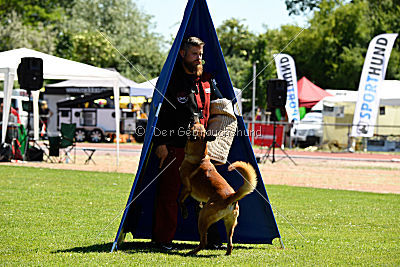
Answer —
(373, 73)
(287, 71)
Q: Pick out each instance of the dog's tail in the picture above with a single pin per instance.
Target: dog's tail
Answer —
(250, 180)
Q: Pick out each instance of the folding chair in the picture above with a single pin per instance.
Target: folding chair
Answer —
(54, 148)
(89, 153)
(66, 141)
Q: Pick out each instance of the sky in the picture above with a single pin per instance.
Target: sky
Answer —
(168, 14)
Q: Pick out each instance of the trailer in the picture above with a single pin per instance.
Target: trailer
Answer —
(95, 124)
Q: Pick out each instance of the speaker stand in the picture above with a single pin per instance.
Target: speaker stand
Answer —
(28, 128)
(265, 157)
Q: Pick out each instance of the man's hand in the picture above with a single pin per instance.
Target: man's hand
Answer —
(161, 153)
(199, 130)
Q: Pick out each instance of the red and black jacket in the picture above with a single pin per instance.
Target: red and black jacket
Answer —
(187, 96)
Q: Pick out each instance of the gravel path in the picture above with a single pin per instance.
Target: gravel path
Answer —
(368, 172)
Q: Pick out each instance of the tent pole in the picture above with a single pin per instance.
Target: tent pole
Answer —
(117, 116)
(282, 245)
(9, 75)
(253, 107)
(35, 100)
(114, 246)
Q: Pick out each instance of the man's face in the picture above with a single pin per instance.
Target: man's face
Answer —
(192, 59)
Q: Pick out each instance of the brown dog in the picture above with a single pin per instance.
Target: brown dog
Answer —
(201, 180)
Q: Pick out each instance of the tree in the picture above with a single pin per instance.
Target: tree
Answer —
(384, 18)
(295, 7)
(15, 34)
(103, 33)
(332, 50)
(33, 12)
(336, 42)
(113, 34)
(237, 44)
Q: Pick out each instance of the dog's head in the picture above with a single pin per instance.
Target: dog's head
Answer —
(196, 145)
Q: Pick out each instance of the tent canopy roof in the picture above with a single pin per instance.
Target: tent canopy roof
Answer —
(73, 84)
(309, 94)
(54, 67)
(123, 82)
(150, 84)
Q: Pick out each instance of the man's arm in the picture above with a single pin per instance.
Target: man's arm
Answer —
(162, 153)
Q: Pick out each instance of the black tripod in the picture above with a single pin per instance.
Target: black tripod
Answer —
(272, 147)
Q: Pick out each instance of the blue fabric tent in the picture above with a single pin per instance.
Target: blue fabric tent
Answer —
(256, 223)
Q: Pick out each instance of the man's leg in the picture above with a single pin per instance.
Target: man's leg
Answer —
(166, 209)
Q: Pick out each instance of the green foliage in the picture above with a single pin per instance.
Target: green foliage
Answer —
(88, 47)
(103, 33)
(296, 7)
(116, 34)
(339, 36)
(15, 34)
(337, 39)
(237, 44)
(330, 51)
(235, 39)
(113, 34)
(384, 18)
(34, 12)
(69, 218)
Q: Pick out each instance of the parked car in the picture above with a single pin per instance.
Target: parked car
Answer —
(309, 132)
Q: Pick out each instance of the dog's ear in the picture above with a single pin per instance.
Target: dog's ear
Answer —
(210, 138)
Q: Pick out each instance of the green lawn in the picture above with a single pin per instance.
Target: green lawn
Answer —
(60, 217)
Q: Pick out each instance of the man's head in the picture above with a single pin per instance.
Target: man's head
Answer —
(192, 55)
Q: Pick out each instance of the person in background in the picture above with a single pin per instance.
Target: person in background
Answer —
(13, 115)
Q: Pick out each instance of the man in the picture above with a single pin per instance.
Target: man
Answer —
(188, 98)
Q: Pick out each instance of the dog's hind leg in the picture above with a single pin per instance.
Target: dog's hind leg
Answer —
(206, 219)
(230, 222)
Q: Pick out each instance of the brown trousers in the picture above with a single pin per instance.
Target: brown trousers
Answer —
(166, 209)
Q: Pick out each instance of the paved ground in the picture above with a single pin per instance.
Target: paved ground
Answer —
(372, 172)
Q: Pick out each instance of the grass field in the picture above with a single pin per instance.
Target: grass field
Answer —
(58, 217)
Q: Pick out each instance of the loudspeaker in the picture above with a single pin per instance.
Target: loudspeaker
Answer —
(30, 73)
(5, 152)
(276, 93)
(34, 154)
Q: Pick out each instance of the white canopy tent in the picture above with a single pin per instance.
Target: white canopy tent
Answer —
(122, 82)
(53, 68)
(133, 88)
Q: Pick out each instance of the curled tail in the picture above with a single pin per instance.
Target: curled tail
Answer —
(250, 180)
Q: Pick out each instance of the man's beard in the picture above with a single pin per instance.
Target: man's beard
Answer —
(196, 69)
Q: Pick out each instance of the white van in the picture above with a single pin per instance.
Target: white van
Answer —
(19, 96)
(309, 131)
